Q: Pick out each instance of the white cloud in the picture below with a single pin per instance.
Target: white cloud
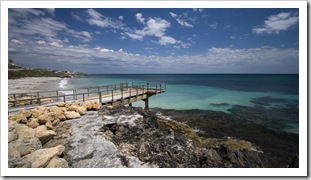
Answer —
(94, 14)
(50, 10)
(25, 12)
(121, 18)
(133, 36)
(15, 41)
(100, 20)
(276, 23)
(214, 26)
(139, 18)
(232, 37)
(120, 50)
(154, 27)
(104, 50)
(41, 42)
(86, 34)
(198, 9)
(56, 44)
(180, 20)
(164, 40)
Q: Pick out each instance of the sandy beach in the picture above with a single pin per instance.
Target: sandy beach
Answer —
(30, 84)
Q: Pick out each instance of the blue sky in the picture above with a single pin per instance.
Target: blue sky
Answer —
(167, 40)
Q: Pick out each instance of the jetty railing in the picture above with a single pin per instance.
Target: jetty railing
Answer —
(116, 92)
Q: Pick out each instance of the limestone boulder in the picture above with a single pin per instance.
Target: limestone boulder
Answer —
(62, 104)
(45, 100)
(25, 113)
(49, 125)
(82, 110)
(40, 158)
(14, 157)
(95, 105)
(25, 145)
(73, 107)
(72, 115)
(24, 131)
(51, 116)
(11, 117)
(33, 123)
(45, 136)
(57, 163)
(88, 105)
(19, 118)
(59, 112)
(12, 135)
(36, 113)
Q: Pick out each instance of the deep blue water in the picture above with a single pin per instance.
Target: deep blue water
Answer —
(266, 99)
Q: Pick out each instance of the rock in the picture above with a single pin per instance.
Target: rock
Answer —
(82, 110)
(20, 118)
(25, 145)
(40, 158)
(36, 113)
(51, 116)
(294, 163)
(95, 105)
(49, 125)
(33, 123)
(45, 100)
(11, 117)
(57, 163)
(45, 136)
(14, 157)
(12, 136)
(61, 104)
(72, 107)
(137, 133)
(59, 112)
(40, 128)
(25, 113)
(72, 115)
(24, 131)
(41, 109)
(88, 105)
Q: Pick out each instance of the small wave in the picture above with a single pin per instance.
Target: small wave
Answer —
(62, 84)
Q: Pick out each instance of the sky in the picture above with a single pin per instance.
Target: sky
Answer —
(162, 40)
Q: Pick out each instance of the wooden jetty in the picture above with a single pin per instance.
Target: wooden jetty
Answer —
(110, 95)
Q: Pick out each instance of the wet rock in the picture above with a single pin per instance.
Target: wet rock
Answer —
(137, 133)
(294, 163)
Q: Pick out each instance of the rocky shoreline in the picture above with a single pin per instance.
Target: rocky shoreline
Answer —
(112, 137)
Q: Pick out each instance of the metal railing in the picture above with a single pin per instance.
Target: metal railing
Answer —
(124, 90)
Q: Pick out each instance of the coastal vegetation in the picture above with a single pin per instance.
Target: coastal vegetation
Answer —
(16, 72)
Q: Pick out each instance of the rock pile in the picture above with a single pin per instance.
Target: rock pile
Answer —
(29, 130)
(141, 134)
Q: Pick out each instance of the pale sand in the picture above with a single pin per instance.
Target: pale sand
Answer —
(26, 85)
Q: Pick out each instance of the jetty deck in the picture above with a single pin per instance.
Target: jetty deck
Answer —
(110, 95)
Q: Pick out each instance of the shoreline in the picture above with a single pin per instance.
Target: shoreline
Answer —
(33, 84)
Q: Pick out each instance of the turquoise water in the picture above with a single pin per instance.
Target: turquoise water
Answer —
(275, 96)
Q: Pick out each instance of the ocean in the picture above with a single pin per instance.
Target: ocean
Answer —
(270, 100)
